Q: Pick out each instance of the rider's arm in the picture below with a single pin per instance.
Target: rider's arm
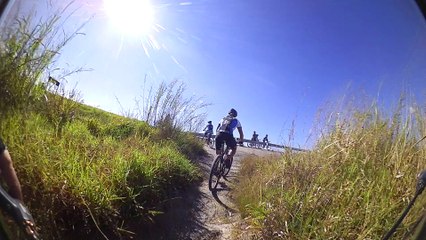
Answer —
(240, 131)
(8, 173)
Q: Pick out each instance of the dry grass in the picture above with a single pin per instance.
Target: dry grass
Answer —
(354, 184)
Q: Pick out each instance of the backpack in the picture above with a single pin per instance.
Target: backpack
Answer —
(225, 126)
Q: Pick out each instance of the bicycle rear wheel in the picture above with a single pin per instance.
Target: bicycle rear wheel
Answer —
(226, 171)
(215, 173)
(212, 143)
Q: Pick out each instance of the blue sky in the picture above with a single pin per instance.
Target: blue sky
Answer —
(276, 61)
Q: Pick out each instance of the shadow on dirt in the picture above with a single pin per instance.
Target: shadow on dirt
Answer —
(183, 214)
(180, 220)
(187, 212)
(216, 197)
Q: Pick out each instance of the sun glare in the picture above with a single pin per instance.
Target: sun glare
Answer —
(131, 17)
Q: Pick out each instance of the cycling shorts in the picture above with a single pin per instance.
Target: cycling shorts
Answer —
(228, 138)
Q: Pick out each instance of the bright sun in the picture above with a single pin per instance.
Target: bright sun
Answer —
(131, 17)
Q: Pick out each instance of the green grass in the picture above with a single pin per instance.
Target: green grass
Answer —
(85, 172)
(354, 184)
(123, 172)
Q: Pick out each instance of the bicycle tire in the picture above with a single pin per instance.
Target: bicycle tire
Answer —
(226, 171)
(212, 144)
(215, 173)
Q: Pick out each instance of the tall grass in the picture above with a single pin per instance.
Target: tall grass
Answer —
(169, 107)
(354, 184)
(79, 180)
(85, 173)
(27, 49)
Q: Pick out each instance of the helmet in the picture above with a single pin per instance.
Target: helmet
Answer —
(233, 112)
(209, 122)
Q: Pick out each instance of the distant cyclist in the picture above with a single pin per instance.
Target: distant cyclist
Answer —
(8, 173)
(265, 141)
(225, 131)
(255, 137)
(208, 131)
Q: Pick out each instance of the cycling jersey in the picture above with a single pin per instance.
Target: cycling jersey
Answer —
(228, 124)
(209, 128)
(225, 131)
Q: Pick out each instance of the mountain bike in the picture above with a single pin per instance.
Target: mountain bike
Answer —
(254, 143)
(219, 168)
(212, 143)
(207, 138)
(266, 145)
(14, 209)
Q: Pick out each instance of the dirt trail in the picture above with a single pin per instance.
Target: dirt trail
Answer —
(200, 214)
(216, 211)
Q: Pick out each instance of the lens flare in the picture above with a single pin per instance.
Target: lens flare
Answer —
(131, 17)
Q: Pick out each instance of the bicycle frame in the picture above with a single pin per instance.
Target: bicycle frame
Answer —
(218, 168)
(224, 149)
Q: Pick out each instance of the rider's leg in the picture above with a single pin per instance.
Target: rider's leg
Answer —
(218, 142)
(234, 150)
(230, 141)
(230, 156)
(209, 137)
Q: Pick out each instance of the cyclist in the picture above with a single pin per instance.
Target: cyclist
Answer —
(8, 173)
(255, 137)
(225, 131)
(265, 141)
(208, 131)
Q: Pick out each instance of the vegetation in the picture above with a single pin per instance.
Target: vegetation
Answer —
(354, 184)
(85, 172)
(95, 173)
(167, 105)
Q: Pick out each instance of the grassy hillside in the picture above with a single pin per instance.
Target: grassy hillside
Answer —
(354, 184)
(84, 172)
(101, 172)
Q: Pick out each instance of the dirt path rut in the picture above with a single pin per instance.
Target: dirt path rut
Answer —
(201, 214)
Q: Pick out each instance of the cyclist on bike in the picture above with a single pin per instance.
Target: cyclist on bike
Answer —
(225, 131)
(255, 137)
(208, 130)
(8, 173)
(265, 141)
